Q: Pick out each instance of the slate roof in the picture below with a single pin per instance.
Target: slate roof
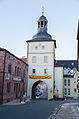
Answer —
(42, 17)
(67, 63)
(42, 35)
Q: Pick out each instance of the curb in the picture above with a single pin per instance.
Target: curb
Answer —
(17, 101)
(55, 112)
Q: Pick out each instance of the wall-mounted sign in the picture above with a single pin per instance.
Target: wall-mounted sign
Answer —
(76, 77)
(40, 77)
(7, 76)
(17, 79)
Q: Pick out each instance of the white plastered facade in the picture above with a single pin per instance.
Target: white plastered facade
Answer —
(39, 52)
(59, 81)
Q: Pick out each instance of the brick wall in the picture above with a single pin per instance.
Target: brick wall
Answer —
(2, 55)
(17, 88)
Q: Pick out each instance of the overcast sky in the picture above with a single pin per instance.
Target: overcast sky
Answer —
(18, 23)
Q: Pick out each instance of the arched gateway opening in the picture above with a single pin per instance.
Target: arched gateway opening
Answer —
(39, 90)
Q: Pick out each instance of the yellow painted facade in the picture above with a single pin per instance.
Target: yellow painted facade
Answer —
(72, 87)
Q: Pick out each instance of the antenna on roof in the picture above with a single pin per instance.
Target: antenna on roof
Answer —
(42, 10)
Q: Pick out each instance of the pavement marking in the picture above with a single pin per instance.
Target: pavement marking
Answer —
(54, 113)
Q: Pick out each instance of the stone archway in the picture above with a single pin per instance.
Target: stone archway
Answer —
(33, 89)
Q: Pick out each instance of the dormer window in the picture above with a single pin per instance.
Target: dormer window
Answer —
(72, 64)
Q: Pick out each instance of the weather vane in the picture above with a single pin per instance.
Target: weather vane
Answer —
(42, 10)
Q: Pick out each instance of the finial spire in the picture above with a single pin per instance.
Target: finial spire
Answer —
(42, 10)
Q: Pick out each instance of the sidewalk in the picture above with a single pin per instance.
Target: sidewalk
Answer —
(17, 101)
(14, 102)
(66, 111)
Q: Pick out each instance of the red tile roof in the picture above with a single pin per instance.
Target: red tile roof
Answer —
(24, 59)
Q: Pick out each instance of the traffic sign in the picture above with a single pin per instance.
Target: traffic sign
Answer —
(77, 73)
(76, 77)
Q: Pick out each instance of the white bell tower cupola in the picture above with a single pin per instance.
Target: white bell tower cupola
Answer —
(42, 23)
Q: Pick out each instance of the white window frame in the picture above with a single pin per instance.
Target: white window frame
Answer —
(45, 59)
(33, 59)
(33, 72)
(46, 71)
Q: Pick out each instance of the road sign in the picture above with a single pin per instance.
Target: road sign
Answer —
(76, 77)
(77, 73)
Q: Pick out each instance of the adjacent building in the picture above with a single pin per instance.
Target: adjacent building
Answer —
(12, 76)
(70, 68)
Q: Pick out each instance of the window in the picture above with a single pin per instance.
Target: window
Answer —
(45, 24)
(75, 90)
(72, 64)
(33, 71)
(34, 59)
(14, 87)
(43, 47)
(15, 70)
(45, 59)
(23, 73)
(18, 71)
(8, 87)
(36, 47)
(9, 68)
(68, 82)
(65, 91)
(41, 23)
(45, 71)
(64, 68)
(38, 24)
(68, 91)
(65, 82)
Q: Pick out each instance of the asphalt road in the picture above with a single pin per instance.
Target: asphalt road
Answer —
(35, 109)
(44, 95)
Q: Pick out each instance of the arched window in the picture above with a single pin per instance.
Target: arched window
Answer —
(41, 23)
(38, 24)
(45, 24)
